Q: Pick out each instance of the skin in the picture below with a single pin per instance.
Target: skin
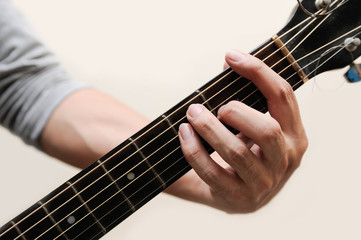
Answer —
(247, 171)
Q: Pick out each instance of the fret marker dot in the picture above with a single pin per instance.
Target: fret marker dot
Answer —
(130, 176)
(71, 220)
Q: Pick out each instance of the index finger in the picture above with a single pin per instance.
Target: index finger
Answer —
(281, 101)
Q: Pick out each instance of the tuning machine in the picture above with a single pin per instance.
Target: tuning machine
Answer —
(322, 4)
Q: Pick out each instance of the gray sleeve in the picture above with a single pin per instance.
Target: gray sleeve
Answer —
(32, 83)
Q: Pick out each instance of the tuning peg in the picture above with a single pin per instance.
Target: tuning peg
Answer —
(354, 73)
(351, 44)
(322, 4)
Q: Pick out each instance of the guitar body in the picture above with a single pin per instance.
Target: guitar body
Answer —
(182, 165)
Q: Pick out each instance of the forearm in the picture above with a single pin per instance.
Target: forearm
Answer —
(86, 125)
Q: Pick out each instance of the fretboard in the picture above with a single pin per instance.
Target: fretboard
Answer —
(98, 198)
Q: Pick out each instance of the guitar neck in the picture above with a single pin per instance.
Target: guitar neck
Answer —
(98, 198)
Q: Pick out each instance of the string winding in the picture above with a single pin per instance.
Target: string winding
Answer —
(324, 11)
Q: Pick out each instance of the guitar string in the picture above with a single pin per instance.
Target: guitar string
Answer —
(199, 94)
(304, 39)
(167, 143)
(154, 178)
(340, 47)
(178, 147)
(135, 204)
(335, 40)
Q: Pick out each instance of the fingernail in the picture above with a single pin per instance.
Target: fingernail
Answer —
(194, 110)
(185, 131)
(234, 56)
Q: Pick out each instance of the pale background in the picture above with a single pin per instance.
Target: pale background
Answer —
(151, 54)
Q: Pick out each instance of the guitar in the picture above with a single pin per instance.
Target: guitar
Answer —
(104, 194)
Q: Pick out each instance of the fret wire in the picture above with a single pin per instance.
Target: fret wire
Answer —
(18, 231)
(284, 34)
(145, 160)
(203, 91)
(52, 220)
(130, 204)
(170, 124)
(87, 208)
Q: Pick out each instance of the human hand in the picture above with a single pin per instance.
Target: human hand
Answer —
(257, 162)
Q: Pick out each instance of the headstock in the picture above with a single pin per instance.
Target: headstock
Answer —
(318, 38)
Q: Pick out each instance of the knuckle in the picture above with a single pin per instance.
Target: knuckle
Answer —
(296, 153)
(238, 152)
(211, 177)
(303, 144)
(283, 165)
(294, 161)
(265, 185)
(272, 131)
(285, 92)
(192, 152)
(205, 123)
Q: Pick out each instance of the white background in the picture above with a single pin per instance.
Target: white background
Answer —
(150, 55)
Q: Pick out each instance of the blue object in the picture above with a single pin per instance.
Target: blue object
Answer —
(354, 73)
